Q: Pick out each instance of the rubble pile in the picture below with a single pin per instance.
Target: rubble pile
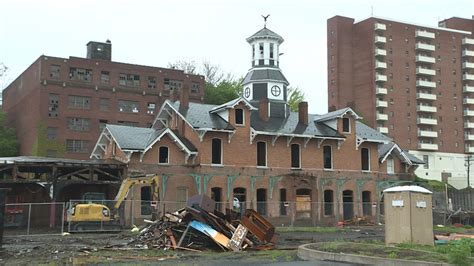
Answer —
(200, 226)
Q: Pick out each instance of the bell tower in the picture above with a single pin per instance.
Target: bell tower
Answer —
(265, 79)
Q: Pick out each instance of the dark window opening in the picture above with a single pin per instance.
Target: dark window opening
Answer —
(366, 204)
(365, 159)
(53, 105)
(283, 201)
(151, 82)
(216, 151)
(241, 194)
(145, 196)
(348, 204)
(216, 195)
(163, 155)
(271, 50)
(262, 201)
(346, 126)
(239, 116)
(295, 156)
(261, 153)
(327, 154)
(328, 202)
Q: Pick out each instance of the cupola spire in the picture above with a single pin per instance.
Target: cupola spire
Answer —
(265, 20)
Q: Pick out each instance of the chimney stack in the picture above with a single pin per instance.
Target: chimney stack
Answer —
(303, 113)
(263, 109)
(184, 97)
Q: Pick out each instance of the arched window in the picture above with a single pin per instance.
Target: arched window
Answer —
(390, 166)
(261, 153)
(295, 156)
(328, 202)
(327, 157)
(239, 116)
(365, 159)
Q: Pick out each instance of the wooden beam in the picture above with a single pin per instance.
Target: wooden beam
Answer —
(73, 173)
(107, 174)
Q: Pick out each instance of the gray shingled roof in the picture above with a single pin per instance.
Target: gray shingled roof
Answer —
(199, 116)
(413, 158)
(265, 74)
(265, 33)
(335, 114)
(383, 149)
(368, 133)
(133, 138)
(231, 104)
(291, 125)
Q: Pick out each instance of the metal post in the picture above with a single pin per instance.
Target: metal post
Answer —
(29, 219)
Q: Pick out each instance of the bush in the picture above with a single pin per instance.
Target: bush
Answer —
(459, 252)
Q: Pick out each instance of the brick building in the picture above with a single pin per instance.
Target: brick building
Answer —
(414, 83)
(59, 106)
(293, 167)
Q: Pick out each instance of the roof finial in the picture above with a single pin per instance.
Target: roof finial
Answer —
(265, 19)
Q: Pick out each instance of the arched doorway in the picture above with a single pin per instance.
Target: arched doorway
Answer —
(303, 203)
(216, 195)
(241, 194)
(262, 201)
(348, 204)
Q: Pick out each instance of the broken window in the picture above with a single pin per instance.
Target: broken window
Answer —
(77, 146)
(78, 124)
(80, 74)
(295, 156)
(104, 104)
(346, 125)
(163, 155)
(327, 156)
(261, 153)
(105, 77)
(129, 80)
(195, 87)
(52, 132)
(365, 158)
(53, 105)
(151, 82)
(239, 116)
(79, 102)
(54, 71)
(128, 106)
(328, 202)
(171, 84)
(366, 203)
(150, 109)
(216, 151)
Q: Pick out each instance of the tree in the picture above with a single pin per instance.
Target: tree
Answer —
(295, 96)
(8, 141)
(220, 87)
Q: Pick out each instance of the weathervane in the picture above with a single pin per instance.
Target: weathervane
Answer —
(265, 19)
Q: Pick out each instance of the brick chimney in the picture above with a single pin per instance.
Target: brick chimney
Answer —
(263, 109)
(303, 113)
(184, 97)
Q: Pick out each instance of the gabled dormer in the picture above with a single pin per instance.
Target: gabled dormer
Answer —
(342, 120)
(236, 112)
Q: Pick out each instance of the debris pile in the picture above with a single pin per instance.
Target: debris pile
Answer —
(200, 226)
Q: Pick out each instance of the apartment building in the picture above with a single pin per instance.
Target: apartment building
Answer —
(59, 106)
(414, 83)
(318, 169)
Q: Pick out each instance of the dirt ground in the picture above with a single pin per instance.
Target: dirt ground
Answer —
(76, 249)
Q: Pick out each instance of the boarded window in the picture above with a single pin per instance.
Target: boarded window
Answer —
(216, 151)
(346, 125)
(295, 156)
(328, 202)
(261, 153)
(365, 158)
(327, 155)
(303, 203)
(163, 155)
(239, 116)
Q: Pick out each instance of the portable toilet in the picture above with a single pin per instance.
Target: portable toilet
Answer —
(408, 215)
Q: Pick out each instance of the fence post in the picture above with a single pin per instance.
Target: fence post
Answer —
(29, 219)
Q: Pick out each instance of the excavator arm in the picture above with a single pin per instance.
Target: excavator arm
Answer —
(128, 183)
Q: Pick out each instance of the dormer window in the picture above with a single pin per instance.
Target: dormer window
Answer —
(163, 157)
(346, 125)
(239, 117)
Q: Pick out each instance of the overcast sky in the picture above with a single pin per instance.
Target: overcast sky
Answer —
(158, 32)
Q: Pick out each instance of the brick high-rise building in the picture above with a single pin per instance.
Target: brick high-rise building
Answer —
(414, 83)
(58, 106)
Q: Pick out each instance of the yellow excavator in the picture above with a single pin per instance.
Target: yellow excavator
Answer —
(98, 216)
